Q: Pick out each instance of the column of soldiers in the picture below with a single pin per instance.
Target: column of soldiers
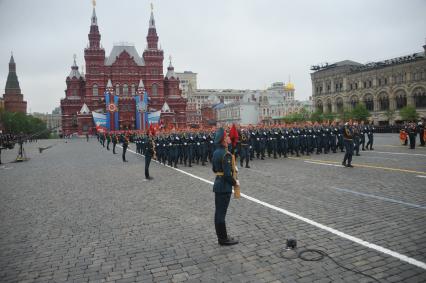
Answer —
(189, 147)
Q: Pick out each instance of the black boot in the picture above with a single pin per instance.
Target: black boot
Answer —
(222, 236)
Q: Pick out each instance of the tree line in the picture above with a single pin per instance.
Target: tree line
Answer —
(359, 113)
(20, 123)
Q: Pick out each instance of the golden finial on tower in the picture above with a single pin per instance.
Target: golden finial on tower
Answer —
(94, 3)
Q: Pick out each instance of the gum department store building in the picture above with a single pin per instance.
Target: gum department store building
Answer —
(382, 87)
(126, 75)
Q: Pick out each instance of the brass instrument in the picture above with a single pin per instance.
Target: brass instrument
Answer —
(237, 191)
(153, 149)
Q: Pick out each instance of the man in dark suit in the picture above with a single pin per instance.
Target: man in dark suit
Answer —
(222, 167)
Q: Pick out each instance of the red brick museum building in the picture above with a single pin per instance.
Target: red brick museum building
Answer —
(126, 75)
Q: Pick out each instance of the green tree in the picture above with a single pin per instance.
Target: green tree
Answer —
(360, 113)
(317, 116)
(345, 115)
(390, 114)
(16, 123)
(409, 113)
(329, 116)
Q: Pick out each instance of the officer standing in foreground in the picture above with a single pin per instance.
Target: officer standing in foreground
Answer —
(222, 163)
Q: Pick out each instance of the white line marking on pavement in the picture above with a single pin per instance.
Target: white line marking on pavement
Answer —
(318, 225)
(381, 198)
(420, 176)
(327, 164)
(398, 153)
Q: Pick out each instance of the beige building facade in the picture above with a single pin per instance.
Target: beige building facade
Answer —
(384, 87)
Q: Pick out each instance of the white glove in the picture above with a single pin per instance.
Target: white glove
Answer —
(238, 183)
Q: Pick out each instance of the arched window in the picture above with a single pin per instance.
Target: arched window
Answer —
(384, 102)
(95, 90)
(329, 107)
(369, 103)
(319, 106)
(154, 90)
(117, 89)
(354, 101)
(133, 89)
(401, 100)
(125, 90)
(419, 98)
(339, 103)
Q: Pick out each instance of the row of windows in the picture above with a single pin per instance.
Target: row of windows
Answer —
(383, 103)
(400, 78)
(125, 89)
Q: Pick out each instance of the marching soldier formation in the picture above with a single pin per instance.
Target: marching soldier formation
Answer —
(196, 147)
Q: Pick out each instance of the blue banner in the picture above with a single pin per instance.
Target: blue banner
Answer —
(116, 122)
(108, 115)
(138, 114)
(145, 114)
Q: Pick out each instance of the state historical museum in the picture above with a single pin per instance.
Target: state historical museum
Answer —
(121, 79)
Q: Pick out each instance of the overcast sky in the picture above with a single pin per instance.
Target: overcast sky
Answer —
(240, 44)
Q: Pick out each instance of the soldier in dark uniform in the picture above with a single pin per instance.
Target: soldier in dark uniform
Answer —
(412, 131)
(103, 139)
(149, 154)
(357, 138)
(125, 141)
(349, 144)
(363, 132)
(340, 140)
(108, 138)
(420, 130)
(114, 142)
(370, 136)
(244, 149)
(203, 149)
(222, 167)
(333, 137)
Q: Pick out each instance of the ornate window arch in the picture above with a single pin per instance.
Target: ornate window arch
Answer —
(320, 106)
(369, 102)
(95, 90)
(154, 89)
(383, 101)
(125, 89)
(329, 107)
(133, 89)
(117, 89)
(339, 104)
(354, 101)
(419, 95)
(401, 99)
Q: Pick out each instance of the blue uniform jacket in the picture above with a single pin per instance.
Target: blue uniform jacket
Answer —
(222, 162)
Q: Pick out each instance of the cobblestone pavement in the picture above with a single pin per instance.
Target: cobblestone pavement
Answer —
(77, 213)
